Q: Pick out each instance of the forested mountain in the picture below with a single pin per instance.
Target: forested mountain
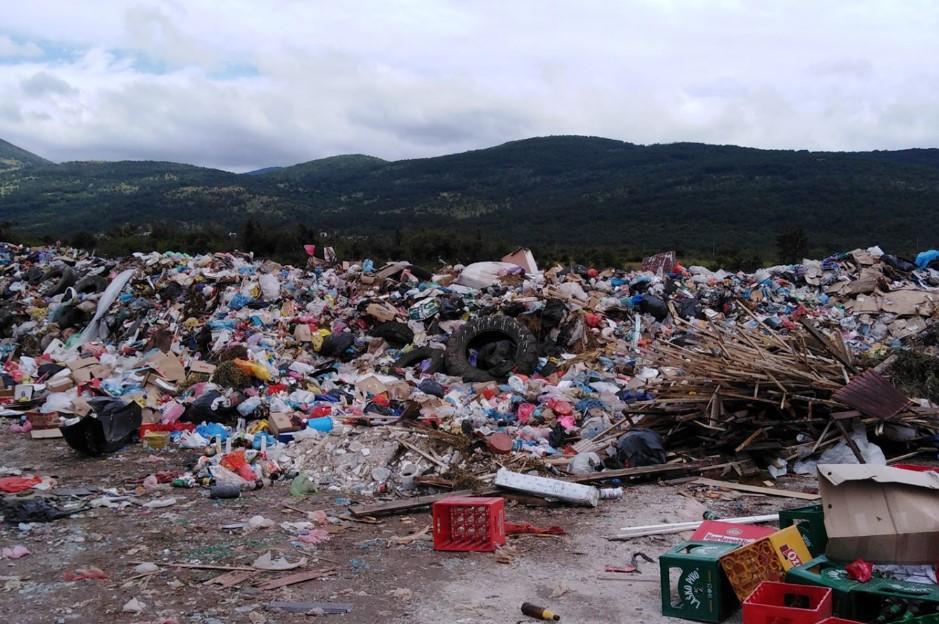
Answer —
(566, 189)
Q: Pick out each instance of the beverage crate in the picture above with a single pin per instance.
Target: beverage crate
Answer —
(823, 572)
(891, 600)
(694, 587)
(811, 524)
(785, 603)
(467, 523)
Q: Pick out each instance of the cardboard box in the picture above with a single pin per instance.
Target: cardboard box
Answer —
(880, 514)
(43, 421)
(729, 533)
(280, 422)
(60, 384)
(156, 440)
(766, 559)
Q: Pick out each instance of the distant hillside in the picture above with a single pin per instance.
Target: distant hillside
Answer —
(13, 157)
(565, 190)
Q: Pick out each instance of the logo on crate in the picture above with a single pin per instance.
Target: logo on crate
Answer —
(791, 555)
(690, 588)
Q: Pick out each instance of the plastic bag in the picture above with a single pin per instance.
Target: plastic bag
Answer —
(270, 287)
(112, 425)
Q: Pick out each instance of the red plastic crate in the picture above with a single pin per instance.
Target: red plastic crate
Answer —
(786, 603)
(838, 620)
(467, 523)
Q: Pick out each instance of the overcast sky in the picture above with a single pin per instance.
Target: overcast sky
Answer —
(253, 83)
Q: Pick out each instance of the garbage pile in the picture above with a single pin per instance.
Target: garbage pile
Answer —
(366, 379)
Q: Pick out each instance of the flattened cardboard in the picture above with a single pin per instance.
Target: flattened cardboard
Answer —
(880, 514)
(370, 385)
(45, 434)
(302, 333)
(80, 407)
(730, 533)
(198, 366)
(74, 365)
(169, 367)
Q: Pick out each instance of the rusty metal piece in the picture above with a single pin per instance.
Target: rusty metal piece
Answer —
(872, 394)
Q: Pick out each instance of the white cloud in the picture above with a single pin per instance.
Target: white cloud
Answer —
(10, 49)
(246, 84)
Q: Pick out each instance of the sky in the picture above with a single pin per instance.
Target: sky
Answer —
(245, 84)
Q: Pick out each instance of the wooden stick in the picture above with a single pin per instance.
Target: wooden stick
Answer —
(757, 489)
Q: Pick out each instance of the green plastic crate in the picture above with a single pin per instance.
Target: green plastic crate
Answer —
(887, 600)
(822, 572)
(926, 619)
(694, 587)
(811, 524)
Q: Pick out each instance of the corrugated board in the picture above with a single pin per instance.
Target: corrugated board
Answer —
(880, 514)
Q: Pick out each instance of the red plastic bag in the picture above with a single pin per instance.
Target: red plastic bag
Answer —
(14, 485)
(85, 574)
(860, 570)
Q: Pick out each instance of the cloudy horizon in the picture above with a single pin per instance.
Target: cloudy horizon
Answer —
(243, 85)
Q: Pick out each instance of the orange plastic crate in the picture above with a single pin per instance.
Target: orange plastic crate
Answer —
(786, 603)
(467, 523)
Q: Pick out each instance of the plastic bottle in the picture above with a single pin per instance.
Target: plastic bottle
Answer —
(539, 613)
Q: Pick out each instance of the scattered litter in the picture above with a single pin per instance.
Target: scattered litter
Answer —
(267, 562)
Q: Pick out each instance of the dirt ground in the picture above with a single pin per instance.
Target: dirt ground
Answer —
(362, 565)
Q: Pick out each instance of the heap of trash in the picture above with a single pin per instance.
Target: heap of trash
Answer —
(391, 379)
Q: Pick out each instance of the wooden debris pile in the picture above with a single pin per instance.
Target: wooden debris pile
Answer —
(735, 389)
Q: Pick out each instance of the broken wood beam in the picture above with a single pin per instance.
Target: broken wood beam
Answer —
(641, 470)
(756, 489)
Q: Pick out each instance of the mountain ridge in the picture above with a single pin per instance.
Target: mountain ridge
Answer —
(545, 190)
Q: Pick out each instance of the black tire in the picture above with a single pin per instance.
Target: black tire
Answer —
(91, 284)
(489, 329)
(396, 334)
(416, 356)
(65, 276)
(34, 275)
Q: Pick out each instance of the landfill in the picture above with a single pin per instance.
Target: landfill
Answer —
(389, 387)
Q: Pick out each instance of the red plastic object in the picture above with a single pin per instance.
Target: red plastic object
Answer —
(469, 524)
(786, 603)
(860, 570)
(838, 620)
(916, 467)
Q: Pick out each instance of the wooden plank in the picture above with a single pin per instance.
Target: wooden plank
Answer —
(641, 470)
(823, 340)
(414, 503)
(757, 489)
(299, 577)
(230, 579)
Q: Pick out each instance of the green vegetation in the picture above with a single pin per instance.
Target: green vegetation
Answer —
(563, 195)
